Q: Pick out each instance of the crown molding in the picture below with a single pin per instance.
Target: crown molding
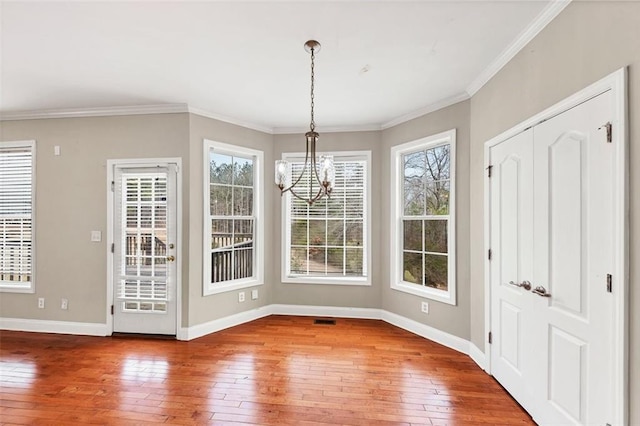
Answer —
(547, 15)
(331, 129)
(229, 120)
(94, 112)
(426, 110)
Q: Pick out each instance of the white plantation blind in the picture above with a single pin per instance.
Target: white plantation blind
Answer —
(328, 238)
(141, 244)
(16, 214)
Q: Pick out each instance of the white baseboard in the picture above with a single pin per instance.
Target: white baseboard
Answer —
(326, 311)
(478, 356)
(449, 340)
(222, 323)
(59, 327)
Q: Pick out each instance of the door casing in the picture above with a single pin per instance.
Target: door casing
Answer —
(134, 163)
(617, 84)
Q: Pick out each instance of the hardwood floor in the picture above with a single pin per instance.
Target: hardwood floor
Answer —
(274, 371)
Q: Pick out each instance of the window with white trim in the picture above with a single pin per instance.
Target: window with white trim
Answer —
(233, 243)
(328, 242)
(423, 217)
(17, 195)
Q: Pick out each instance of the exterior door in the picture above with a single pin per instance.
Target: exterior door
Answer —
(144, 250)
(512, 264)
(552, 228)
(573, 253)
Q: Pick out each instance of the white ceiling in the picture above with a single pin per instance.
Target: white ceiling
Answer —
(380, 60)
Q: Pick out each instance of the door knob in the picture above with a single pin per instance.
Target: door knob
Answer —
(171, 258)
(541, 291)
(524, 284)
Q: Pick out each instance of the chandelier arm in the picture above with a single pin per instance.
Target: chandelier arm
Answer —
(306, 200)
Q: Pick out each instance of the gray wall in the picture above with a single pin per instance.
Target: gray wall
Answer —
(449, 318)
(334, 295)
(201, 308)
(586, 42)
(71, 191)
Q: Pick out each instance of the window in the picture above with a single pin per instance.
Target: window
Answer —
(423, 217)
(328, 242)
(16, 216)
(233, 218)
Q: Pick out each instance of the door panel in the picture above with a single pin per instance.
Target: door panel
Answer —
(572, 254)
(511, 236)
(144, 250)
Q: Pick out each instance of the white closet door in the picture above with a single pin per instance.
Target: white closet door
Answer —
(512, 265)
(573, 246)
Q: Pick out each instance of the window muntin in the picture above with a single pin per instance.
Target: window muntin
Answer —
(17, 189)
(328, 241)
(231, 216)
(423, 222)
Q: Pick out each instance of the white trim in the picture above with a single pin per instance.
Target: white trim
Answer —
(449, 340)
(213, 326)
(94, 112)
(543, 19)
(229, 120)
(487, 262)
(364, 155)
(134, 163)
(326, 311)
(477, 356)
(331, 129)
(396, 214)
(443, 103)
(616, 82)
(209, 288)
(60, 327)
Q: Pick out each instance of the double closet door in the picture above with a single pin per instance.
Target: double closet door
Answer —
(551, 230)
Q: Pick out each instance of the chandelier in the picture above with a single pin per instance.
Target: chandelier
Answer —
(321, 169)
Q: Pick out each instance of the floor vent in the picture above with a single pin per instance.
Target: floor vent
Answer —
(324, 321)
(117, 335)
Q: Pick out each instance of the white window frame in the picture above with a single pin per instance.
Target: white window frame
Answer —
(25, 287)
(396, 225)
(364, 280)
(210, 288)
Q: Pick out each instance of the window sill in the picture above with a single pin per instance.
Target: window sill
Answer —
(426, 292)
(349, 281)
(218, 288)
(11, 288)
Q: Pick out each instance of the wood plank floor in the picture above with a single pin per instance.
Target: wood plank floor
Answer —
(278, 370)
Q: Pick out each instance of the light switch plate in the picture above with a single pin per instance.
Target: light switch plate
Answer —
(96, 236)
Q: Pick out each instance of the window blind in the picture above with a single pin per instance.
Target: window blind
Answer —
(327, 238)
(16, 209)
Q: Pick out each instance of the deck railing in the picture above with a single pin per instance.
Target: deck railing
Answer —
(232, 262)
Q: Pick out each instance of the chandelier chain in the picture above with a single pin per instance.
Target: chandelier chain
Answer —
(313, 123)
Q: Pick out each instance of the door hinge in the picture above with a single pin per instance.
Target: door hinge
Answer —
(113, 185)
(489, 254)
(111, 309)
(490, 338)
(113, 247)
(609, 283)
(489, 171)
(609, 127)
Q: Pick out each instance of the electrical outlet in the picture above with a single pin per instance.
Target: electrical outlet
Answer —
(254, 294)
(41, 302)
(64, 304)
(241, 297)
(424, 307)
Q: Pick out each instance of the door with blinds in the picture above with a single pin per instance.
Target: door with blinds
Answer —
(144, 250)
